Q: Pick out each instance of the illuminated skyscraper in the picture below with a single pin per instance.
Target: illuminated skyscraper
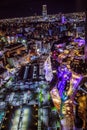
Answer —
(44, 10)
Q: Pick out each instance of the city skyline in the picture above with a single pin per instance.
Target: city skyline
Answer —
(24, 8)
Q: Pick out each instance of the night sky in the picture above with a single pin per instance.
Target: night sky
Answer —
(23, 8)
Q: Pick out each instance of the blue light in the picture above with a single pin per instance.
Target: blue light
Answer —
(64, 75)
(64, 97)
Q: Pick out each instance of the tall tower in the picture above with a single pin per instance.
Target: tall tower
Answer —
(44, 10)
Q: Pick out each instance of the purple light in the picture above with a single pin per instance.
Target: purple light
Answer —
(63, 19)
(80, 41)
(64, 75)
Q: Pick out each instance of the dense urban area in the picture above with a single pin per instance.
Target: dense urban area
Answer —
(43, 72)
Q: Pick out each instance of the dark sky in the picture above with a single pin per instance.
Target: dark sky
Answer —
(19, 8)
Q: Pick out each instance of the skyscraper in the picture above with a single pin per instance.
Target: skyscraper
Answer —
(44, 10)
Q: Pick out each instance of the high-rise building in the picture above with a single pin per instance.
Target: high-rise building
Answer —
(44, 10)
